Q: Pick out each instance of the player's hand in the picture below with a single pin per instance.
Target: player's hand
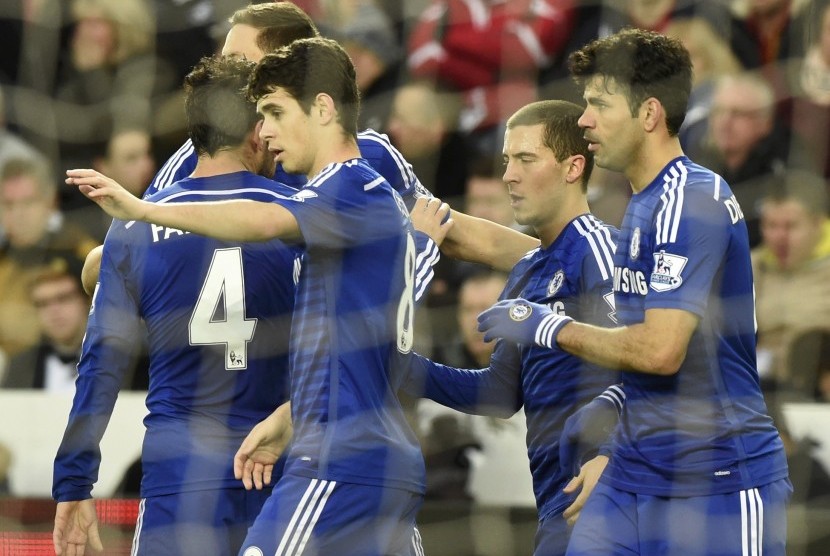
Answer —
(584, 483)
(255, 459)
(588, 428)
(432, 217)
(76, 525)
(522, 322)
(108, 194)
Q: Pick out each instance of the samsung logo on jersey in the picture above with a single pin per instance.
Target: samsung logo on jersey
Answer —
(630, 281)
(161, 232)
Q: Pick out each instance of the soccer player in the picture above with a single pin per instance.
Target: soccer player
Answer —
(697, 466)
(217, 315)
(354, 478)
(261, 28)
(547, 168)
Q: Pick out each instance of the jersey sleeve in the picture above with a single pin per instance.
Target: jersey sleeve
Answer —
(493, 391)
(427, 257)
(390, 163)
(690, 240)
(110, 344)
(177, 167)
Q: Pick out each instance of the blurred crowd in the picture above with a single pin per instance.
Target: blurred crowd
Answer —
(97, 84)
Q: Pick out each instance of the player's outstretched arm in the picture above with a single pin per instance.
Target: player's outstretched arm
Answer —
(481, 241)
(255, 459)
(225, 220)
(76, 526)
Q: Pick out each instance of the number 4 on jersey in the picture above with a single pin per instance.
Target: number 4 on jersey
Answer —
(219, 315)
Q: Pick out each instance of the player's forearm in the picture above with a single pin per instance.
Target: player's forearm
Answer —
(629, 348)
(226, 220)
(482, 241)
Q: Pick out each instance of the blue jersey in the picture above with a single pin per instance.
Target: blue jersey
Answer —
(374, 147)
(573, 277)
(217, 316)
(353, 315)
(705, 430)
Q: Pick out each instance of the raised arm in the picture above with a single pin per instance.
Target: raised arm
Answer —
(481, 241)
(225, 220)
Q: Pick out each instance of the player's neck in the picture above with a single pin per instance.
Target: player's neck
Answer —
(650, 160)
(338, 148)
(223, 162)
(552, 229)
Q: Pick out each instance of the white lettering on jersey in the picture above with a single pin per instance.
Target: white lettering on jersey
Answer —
(735, 213)
(558, 307)
(162, 232)
(629, 281)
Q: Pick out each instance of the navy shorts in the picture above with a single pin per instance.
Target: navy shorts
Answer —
(316, 517)
(748, 522)
(196, 523)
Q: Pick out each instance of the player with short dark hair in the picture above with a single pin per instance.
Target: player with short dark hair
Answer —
(697, 465)
(217, 316)
(547, 168)
(354, 478)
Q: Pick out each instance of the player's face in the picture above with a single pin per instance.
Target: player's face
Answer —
(614, 135)
(286, 128)
(241, 42)
(535, 179)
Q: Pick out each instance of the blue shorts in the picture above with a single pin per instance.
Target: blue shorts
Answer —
(316, 517)
(196, 523)
(552, 536)
(748, 522)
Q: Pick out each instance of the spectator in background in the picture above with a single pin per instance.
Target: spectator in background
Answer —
(811, 87)
(746, 144)
(128, 158)
(112, 79)
(769, 32)
(423, 126)
(5, 464)
(467, 348)
(11, 144)
(61, 308)
(809, 359)
(791, 270)
(369, 38)
(711, 59)
(485, 195)
(491, 51)
(35, 234)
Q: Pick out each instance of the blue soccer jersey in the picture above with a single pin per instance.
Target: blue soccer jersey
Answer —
(573, 277)
(374, 147)
(705, 430)
(353, 315)
(217, 315)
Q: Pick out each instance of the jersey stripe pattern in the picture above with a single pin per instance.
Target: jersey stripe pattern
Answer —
(353, 315)
(705, 430)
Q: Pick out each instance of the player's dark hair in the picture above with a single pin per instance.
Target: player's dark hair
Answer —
(561, 132)
(645, 65)
(219, 114)
(279, 24)
(306, 68)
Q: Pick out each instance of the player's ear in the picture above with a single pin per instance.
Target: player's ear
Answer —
(652, 113)
(324, 108)
(576, 166)
(257, 142)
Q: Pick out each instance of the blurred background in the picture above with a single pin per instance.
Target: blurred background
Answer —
(97, 84)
